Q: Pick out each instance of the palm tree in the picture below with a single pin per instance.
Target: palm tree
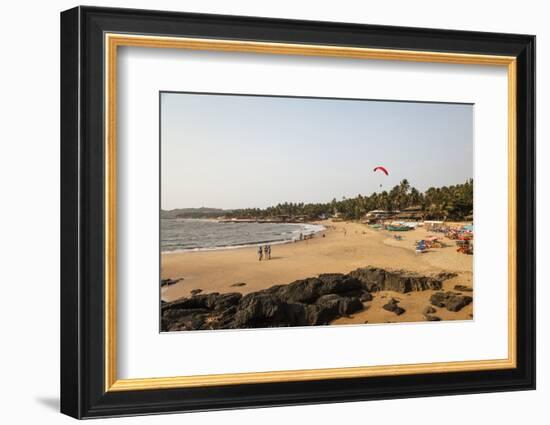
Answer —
(454, 202)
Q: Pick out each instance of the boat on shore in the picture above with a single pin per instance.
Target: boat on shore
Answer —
(398, 228)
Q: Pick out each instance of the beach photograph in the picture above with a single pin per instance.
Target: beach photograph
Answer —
(280, 211)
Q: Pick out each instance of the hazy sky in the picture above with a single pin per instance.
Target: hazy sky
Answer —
(247, 151)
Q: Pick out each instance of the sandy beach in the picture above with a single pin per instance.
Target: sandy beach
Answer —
(345, 246)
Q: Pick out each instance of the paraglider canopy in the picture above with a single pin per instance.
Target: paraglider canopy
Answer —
(381, 169)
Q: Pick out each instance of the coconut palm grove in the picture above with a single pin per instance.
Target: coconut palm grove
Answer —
(453, 202)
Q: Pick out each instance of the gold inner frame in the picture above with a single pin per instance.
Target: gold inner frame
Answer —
(113, 41)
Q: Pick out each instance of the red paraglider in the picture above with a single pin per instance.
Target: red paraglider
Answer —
(381, 169)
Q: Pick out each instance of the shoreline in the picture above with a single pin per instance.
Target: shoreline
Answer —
(346, 246)
(318, 228)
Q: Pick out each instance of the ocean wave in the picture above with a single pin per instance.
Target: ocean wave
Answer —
(294, 235)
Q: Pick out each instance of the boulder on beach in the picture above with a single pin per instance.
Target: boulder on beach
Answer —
(309, 290)
(306, 302)
(429, 310)
(452, 301)
(463, 288)
(314, 301)
(169, 282)
(393, 306)
(365, 297)
(377, 279)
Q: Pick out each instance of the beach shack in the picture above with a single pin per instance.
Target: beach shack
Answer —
(413, 213)
(375, 216)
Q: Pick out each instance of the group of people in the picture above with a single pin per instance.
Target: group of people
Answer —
(264, 252)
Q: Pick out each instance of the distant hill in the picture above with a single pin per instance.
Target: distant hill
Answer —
(202, 212)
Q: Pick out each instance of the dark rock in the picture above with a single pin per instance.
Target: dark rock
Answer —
(174, 320)
(463, 288)
(438, 299)
(429, 310)
(330, 307)
(395, 281)
(179, 313)
(372, 277)
(257, 310)
(452, 301)
(457, 302)
(313, 301)
(183, 304)
(195, 291)
(225, 301)
(327, 308)
(392, 305)
(346, 305)
(365, 297)
(445, 275)
(309, 290)
(168, 282)
(432, 318)
(376, 279)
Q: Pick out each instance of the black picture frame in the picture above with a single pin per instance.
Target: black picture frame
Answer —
(83, 392)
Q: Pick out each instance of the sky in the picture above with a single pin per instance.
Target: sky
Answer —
(229, 151)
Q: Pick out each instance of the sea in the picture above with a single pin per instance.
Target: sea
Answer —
(178, 235)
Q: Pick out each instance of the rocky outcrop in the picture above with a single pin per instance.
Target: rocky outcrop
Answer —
(169, 282)
(463, 288)
(367, 296)
(377, 279)
(314, 301)
(309, 290)
(428, 313)
(307, 302)
(429, 310)
(452, 301)
(392, 305)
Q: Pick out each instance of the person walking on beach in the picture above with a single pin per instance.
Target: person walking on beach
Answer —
(260, 253)
(268, 252)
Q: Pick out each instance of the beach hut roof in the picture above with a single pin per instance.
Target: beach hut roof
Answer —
(413, 208)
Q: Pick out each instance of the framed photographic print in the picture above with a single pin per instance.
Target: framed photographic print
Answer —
(261, 212)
